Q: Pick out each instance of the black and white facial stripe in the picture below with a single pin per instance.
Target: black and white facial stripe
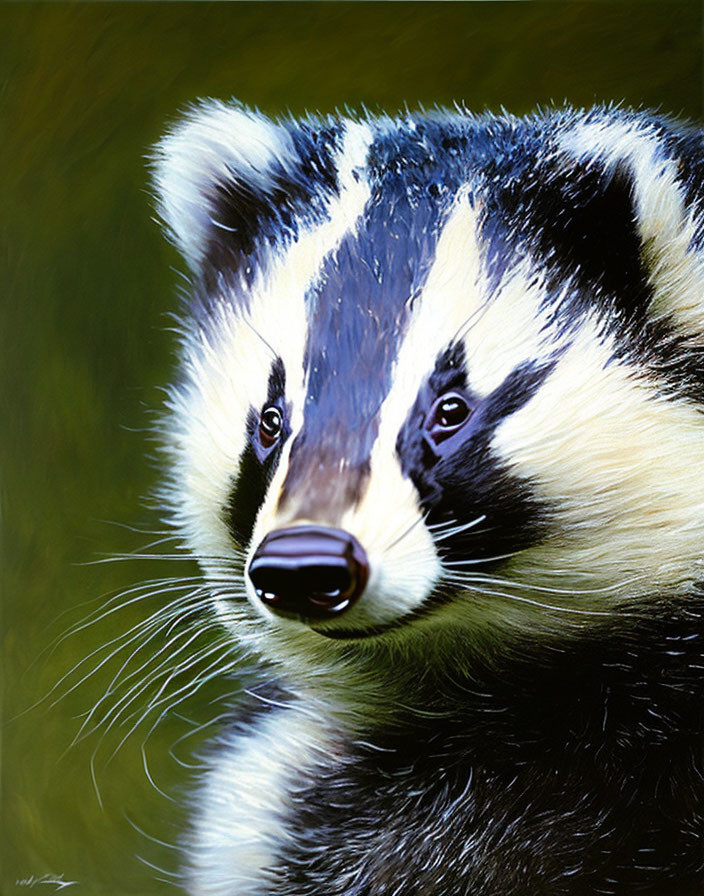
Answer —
(482, 338)
(359, 309)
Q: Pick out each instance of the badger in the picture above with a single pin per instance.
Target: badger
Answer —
(437, 445)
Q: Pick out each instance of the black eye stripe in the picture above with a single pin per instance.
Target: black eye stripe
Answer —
(259, 459)
(445, 448)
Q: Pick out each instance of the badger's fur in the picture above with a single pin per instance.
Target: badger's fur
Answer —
(465, 353)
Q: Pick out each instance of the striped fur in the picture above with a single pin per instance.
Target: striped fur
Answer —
(531, 631)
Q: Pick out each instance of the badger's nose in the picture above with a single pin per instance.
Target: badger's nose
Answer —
(312, 571)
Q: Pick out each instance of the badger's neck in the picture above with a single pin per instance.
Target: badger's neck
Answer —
(572, 772)
(632, 682)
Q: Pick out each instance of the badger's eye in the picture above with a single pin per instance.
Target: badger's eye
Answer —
(449, 414)
(270, 426)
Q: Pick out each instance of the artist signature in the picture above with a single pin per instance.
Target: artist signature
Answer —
(53, 880)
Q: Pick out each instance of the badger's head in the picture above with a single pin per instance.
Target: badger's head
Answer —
(441, 375)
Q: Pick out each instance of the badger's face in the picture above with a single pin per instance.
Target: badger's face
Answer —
(438, 372)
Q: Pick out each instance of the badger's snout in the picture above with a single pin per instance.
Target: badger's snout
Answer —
(312, 571)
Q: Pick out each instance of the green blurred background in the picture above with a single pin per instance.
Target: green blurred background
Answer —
(86, 286)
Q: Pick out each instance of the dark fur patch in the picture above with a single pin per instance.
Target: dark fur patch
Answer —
(465, 481)
(577, 222)
(686, 144)
(247, 218)
(257, 465)
(583, 219)
(571, 771)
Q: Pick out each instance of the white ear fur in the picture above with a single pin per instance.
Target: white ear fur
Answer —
(213, 144)
(667, 227)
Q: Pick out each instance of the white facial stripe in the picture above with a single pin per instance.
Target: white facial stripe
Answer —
(622, 465)
(450, 299)
(508, 330)
(229, 364)
(403, 560)
(667, 228)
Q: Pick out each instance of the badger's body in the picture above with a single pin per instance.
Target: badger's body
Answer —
(439, 449)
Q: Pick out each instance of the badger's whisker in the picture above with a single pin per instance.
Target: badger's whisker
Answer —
(474, 588)
(399, 538)
(149, 679)
(443, 531)
(196, 730)
(622, 586)
(158, 619)
(171, 700)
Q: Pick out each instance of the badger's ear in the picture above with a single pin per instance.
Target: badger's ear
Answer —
(228, 178)
(663, 161)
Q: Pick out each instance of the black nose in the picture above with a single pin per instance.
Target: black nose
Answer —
(311, 571)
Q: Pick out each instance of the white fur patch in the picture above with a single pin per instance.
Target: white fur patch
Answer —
(507, 331)
(243, 806)
(621, 465)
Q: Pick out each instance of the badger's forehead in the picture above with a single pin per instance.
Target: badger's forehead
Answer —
(326, 291)
(348, 218)
(359, 305)
(453, 222)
